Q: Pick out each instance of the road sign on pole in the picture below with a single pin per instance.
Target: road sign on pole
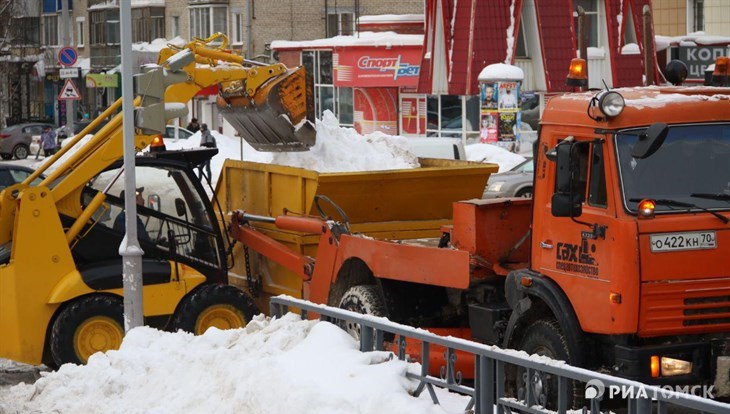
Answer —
(69, 92)
(67, 56)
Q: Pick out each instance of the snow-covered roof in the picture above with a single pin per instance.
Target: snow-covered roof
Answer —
(690, 39)
(501, 71)
(388, 18)
(113, 4)
(386, 39)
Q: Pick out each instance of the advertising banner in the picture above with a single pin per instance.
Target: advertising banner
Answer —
(500, 113)
(377, 66)
(101, 80)
(697, 58)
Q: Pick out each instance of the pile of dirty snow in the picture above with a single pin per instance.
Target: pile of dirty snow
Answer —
(337, 149)
(272, 366)
(480, 152)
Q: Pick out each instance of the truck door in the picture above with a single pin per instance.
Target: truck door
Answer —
(575, 252)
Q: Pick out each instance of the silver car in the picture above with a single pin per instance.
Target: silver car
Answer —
(15, 140)
(516, 182)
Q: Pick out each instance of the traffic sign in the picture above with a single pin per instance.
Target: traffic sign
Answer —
(67, 56)
(69, 92)
(66, 73)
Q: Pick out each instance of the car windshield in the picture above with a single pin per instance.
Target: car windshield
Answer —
(692, 166)
(526, 166)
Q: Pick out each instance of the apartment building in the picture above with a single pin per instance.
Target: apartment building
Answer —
(35, 33)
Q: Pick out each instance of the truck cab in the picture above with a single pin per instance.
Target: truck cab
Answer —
(630, 229)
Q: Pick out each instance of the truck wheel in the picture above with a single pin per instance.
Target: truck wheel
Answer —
(21, 152)
(91, 324)
(220, 306)
(544, 337)
(363, 299)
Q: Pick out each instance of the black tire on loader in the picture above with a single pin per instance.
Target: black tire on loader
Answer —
(545, 337)
(365, 299)
(220, 306)
(88, 325)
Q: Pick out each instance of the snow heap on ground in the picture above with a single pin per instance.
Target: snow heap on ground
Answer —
(272, 366)
(492, 153)
(337, 149)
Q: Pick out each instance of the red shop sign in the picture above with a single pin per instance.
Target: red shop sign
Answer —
(377, 66)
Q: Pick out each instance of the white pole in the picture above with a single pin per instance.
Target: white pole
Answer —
(66, 33)
(130, 250)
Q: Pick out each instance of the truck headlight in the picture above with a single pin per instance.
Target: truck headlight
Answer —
(672, 367)
(611, 103)
(495, 186)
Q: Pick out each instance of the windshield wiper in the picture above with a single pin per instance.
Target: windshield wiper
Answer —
(723, 197)
(676, 203)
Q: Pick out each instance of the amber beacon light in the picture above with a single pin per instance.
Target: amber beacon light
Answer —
(577, 75)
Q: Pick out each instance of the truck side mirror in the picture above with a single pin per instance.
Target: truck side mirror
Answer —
(650, 140)
(563, 172)
(565, 203)
(180, 207)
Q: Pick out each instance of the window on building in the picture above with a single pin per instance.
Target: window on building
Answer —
(27, 31)
(340, 24)
(326, 96)
(452, 116)
(50, 30)
(148, 23)
(591, 12)
(629, 28)
(80, 31)
(206, 20)
(521, 50)
(104, 27)
(175, 26)
(237, 29)
(698, 15)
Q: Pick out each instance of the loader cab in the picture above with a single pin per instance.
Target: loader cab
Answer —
(175, 217)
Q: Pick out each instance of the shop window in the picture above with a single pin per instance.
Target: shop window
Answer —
(50, 30)
(452, 116)
(340, 24)
(344, 106)
(148, 23)
(591, 13)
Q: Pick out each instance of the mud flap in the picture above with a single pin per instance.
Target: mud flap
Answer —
(276, 118)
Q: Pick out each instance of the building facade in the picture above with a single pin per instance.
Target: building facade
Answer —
(681, 17)
(29, 50)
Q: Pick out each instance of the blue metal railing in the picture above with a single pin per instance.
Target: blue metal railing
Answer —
(488, 392)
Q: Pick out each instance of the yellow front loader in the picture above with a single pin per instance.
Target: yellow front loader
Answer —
(60, 270)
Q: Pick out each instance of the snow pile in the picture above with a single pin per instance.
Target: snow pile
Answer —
(337, 149)
(271, 366)
(501, 71)
(491, 153)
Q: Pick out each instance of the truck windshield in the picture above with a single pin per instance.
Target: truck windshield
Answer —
(693, 166)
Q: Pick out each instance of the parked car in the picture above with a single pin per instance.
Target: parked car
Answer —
(448, 148)
(182, 133)
(11, 174)
(516, 182)
(78, 127)
(15, 140)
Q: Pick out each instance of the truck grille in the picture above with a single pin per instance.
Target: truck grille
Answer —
(710, 310)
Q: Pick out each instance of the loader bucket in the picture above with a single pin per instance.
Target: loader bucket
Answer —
(277, 118)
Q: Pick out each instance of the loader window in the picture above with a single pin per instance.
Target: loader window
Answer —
(597, 194)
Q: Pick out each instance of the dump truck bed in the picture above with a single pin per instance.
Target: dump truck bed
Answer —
(393, 204)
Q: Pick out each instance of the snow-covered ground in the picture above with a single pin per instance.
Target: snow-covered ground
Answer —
(271, 366)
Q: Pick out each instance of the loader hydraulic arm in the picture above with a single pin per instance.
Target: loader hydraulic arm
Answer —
(81, 160)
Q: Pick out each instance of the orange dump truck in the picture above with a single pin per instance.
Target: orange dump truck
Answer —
(620, 263)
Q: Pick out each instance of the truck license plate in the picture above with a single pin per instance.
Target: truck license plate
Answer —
(692, 240)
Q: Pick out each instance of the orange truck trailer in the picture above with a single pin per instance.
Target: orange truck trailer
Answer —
(620, 262)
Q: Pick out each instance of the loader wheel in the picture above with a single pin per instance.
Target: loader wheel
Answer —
(220, 306)
(365, 299)
(545, 337)
(91, 324)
